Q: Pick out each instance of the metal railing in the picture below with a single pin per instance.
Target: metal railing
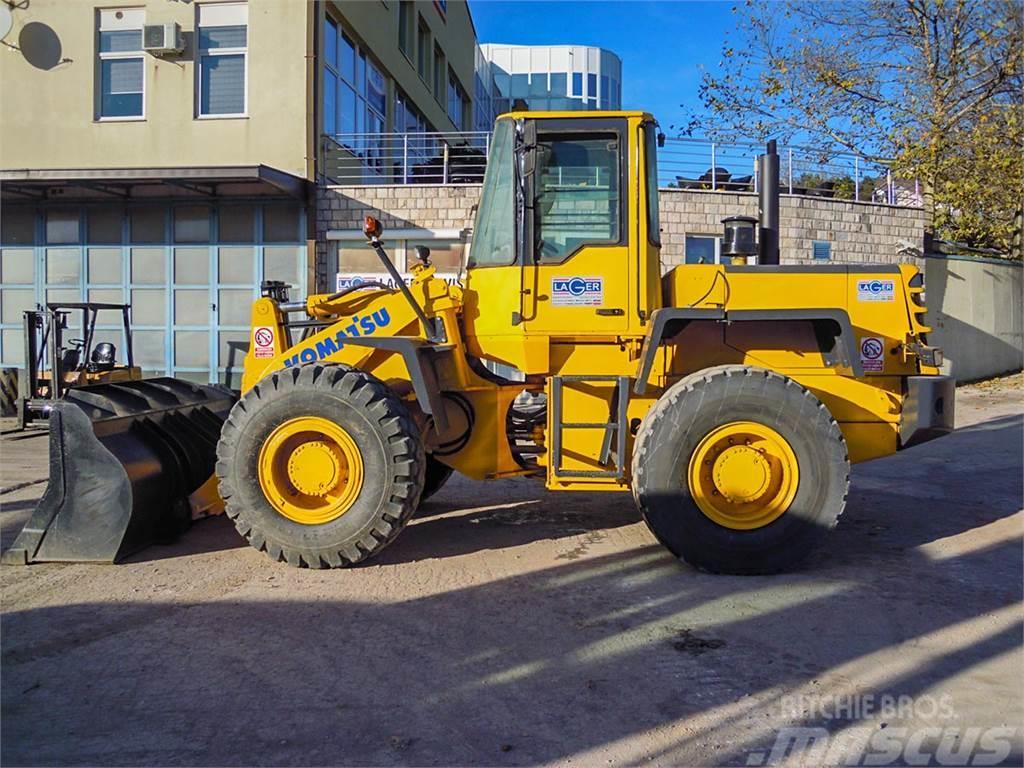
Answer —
(696, 164)
(406, 158)
(707, 165)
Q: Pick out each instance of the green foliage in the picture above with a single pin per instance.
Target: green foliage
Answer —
(932, 86)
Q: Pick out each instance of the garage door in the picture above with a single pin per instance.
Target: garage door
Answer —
(190, 272)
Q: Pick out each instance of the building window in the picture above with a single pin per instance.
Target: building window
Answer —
(577, 84)
(703, 249)
(439, 70)
(222, 51)
(423, 50)
(355, 96)
(122, 72)
(415, 150)
(558, 84)
(456, 102)
(405, 27)
(821, 250)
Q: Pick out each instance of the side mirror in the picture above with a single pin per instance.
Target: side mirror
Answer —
(372, 228)
(661, 139)
(423, 254)
(529, 148)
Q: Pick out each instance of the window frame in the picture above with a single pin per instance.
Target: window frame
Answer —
(716, 239)
(102, 56)
(455, 91)
(424, 50)
(201, 52)
(440, 69)
(407, 10)
(372, 154)
(586, 128)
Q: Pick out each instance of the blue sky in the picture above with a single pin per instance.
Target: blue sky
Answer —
(661, 44)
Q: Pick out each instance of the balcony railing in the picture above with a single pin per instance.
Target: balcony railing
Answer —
(461, 158)
(406, 158)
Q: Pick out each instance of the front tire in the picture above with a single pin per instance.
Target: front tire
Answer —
(740, 470)
(320, 466)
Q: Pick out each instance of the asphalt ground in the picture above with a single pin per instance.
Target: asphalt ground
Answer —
(507, 626)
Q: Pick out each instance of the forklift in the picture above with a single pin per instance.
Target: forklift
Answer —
(53, 364)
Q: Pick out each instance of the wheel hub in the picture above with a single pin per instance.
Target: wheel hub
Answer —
(741, 474)
(315, 468)
(310, 470)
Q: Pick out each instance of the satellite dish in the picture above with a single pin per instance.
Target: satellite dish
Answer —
(6, 20)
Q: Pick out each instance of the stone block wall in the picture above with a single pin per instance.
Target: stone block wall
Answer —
(857, 232)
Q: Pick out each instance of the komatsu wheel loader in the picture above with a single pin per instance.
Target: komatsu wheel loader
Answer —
(729, 399)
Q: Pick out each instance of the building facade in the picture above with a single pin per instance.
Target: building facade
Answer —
(143, 162)
(556, 77)
(170, 155)
(167, 154)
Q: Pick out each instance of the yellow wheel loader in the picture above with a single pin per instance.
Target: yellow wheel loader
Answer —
(729, 399)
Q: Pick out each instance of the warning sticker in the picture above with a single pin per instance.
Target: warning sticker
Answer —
(876, 290)
(872, 350)
(263, 341)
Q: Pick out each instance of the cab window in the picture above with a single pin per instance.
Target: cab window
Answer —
(577, 195)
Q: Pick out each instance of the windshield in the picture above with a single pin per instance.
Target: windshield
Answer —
(494, 229)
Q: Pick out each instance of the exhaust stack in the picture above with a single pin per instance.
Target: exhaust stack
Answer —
(768, 205)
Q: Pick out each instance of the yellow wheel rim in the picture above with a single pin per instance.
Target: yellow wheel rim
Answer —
(743, 475)
(310, 470)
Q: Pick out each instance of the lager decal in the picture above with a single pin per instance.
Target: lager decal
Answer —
(876, 290)
(365, 325)
(577, 291)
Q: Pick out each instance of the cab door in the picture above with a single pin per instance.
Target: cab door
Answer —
(579, 281)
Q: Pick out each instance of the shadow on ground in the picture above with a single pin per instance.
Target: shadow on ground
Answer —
(572, 659)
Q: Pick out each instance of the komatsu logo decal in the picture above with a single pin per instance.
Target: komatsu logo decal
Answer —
(366, 325)
(577, 291)
(876, 290)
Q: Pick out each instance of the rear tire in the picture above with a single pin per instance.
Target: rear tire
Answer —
(696, 409)
(390, 452)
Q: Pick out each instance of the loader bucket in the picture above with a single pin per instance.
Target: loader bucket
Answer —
(126, 460)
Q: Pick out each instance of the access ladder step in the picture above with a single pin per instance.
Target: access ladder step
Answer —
(618, 428)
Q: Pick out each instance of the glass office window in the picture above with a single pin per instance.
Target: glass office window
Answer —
(558, 84)
(222, 59)
(122, 74)
(702, 249)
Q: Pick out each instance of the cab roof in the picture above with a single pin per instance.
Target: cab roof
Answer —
(577, 114)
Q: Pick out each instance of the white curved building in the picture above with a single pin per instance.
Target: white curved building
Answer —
(554, 77)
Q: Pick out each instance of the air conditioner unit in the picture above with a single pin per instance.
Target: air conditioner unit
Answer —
(162, 38)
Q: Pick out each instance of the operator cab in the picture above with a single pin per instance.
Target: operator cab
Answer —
(566, 237)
